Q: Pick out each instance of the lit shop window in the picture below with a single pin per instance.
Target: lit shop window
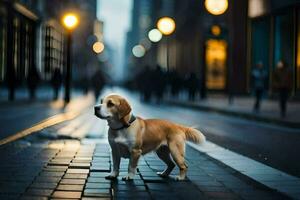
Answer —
(215, 57)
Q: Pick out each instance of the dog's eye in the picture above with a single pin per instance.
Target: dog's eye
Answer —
(110, 104)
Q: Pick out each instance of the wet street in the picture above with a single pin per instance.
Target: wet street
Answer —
(70, 159)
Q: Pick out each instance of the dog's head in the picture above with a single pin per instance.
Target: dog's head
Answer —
(113, 107)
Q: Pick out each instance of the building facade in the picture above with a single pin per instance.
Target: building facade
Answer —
(223, 49)
(32, 38)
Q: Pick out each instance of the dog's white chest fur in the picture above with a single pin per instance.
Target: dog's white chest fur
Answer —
(125, 137)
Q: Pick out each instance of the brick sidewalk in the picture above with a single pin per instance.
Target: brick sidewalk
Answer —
(68, 169)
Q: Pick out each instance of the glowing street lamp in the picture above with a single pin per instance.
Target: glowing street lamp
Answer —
(138, 51)
(216, 7)
(166, 25)
(70, 22)
(98, 47)
(154, 35)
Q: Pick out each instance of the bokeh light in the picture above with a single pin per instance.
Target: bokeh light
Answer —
(166, 25)
(70, 20)
(216, 7)
(216, 30)
(98, 47)
(154, 35)
(138, 51)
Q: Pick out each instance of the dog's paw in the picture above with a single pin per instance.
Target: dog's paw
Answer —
(110, 177)
(127, 178)
(162, 174)
(179, 178)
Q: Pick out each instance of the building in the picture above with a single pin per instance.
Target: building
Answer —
(32, 37)
(274, 34)
(222, 49)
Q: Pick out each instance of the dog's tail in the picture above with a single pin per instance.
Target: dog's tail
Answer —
(194, 135)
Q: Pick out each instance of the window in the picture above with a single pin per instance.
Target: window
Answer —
(260, 42)
(215, 57)
(283, 39)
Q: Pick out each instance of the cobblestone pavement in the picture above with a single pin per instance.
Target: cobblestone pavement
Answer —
(73, 169)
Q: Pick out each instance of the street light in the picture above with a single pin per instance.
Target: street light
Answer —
(70, 21)
(154, 35)
(216, 7)
(138, 51)
(98, 47)
(166, 25)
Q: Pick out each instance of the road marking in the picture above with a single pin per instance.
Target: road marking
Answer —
(266, 175)
(56, 119)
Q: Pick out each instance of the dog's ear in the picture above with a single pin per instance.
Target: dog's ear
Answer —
(123, 109)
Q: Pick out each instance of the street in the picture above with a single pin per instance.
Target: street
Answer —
(56, 149)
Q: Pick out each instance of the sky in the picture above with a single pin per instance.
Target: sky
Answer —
(116, 17)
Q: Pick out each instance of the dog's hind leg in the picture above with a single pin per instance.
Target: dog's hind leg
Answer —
(177, 150)
(163, 153)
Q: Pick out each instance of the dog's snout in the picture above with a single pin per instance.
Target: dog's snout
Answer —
(97, 108)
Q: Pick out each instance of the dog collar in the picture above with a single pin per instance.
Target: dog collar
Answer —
(131, 120)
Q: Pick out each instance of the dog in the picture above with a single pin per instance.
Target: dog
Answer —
(130, 137)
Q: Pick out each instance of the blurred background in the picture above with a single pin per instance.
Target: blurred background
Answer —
(213, 48)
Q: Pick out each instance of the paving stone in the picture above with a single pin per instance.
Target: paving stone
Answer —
(75, 176)
(44, 185)
(130, 188)
(72, 181)
(47, 179)
(158, 186)
(132, 195)
(52, 174)
(96, 198)
(97, 192)
(97, 185)
(39, 192)
(98, 174)
(28, 197)
(80, 165)
(70, 187)
(78, 171)
(97, 180)
(66, 194)
(223, 195)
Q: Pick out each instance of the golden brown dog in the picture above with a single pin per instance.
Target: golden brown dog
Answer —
(132, 137)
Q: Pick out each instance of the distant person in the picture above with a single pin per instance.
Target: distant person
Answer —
(158, 84)
(192, 85)
(144, 83)
(56, 82)
(175, 82)
(98, 83)
(282, 83)
(259, 77)
(33, 80)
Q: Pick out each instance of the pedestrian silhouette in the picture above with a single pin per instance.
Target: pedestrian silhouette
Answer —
(192, 84)
(158, 84)
(144, 83)
(98, 83)
(56, 82)
(259, 77)
(33, 80)
(282, 83)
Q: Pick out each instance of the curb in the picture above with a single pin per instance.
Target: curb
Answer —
(236, 114)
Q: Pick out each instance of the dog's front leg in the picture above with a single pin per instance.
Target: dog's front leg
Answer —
(116, 157)
(133, 162)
